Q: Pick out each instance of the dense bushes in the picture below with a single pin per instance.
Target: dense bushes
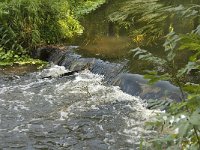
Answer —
(179, 128)
(82, 7)
(25, 24)
(28, 23)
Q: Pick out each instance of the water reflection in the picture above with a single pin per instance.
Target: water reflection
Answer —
(109, 47)
(113, 40)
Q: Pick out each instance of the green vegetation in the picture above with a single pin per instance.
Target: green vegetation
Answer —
(82, 7)
(29, 23)
(180, 126)
(148, 20)
(26, 24)
(10, 58)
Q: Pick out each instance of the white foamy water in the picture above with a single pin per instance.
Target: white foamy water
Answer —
(75, 112)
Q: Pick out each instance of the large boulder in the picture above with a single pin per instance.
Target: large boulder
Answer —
(158, 95)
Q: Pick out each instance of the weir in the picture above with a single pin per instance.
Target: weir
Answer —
(158, 95)
(85, 103)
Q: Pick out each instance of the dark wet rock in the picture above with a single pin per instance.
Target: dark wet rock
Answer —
(72, 61)
(158, 95)
(63, 75)
(130, 83)
(97, 66)
(135, 84)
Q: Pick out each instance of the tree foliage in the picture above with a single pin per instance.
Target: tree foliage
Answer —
(30, 22)
(25, 24)
(152, 19)
(82, 7)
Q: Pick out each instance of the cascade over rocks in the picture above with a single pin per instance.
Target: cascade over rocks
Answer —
(158, 95)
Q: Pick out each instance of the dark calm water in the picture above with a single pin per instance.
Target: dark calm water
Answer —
(110, 41)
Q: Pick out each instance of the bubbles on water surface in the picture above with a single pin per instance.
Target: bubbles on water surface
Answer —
(72, 112)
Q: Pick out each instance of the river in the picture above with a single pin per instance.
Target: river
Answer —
(73, 112)
(81, 111)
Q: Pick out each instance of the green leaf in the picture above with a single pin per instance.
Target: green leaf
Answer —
(145, 55)
(186, 70)
(194, 147)
(194, 97)
(195, 118)
(184, 128)
(192, 88)
(174, 147)
(177, 108)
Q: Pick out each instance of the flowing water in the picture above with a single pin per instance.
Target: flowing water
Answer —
(80, 111)
(72, 112)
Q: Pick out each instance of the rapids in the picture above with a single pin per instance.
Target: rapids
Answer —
(72, 112)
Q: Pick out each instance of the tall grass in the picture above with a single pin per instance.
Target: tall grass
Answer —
(24, 24)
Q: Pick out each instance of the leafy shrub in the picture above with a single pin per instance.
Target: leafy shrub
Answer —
(10, 58)
(180, 126)
(82, 7)
(28, 23)
(25, 24)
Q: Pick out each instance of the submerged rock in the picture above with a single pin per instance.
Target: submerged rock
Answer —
(158, 95)
(135, 84)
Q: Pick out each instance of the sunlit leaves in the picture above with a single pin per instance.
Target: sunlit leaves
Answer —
(182, 120)
(25, 24)
(70, 26)
(195, 118)
(153, 17)
(11, 58)
(190, 42)
(82, 7)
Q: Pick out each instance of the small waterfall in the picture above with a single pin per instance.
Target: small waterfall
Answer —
(72, 61)
(159, 95)
(72, 112)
